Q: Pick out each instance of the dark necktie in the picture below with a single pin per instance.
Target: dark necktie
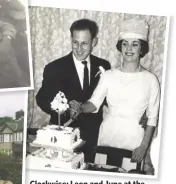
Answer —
(86, 78)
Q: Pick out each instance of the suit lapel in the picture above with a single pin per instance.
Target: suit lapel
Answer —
(93, 71)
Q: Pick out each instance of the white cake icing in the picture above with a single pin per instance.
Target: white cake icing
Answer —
(54, 152)
(64, 138)
(53, 159)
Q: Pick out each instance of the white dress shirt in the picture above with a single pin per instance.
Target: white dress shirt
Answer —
(80, 69)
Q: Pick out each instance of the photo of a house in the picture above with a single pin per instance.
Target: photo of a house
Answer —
(11, 136)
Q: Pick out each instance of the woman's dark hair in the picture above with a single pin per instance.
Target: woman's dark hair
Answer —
(144, 47)
(85, 24)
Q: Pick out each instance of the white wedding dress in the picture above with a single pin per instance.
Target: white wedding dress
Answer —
(128, 96)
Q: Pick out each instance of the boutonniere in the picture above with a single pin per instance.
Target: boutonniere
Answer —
(100, 72)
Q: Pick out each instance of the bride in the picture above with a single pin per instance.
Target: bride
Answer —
(130, 90)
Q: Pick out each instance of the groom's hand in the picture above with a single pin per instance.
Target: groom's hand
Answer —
(75, 108)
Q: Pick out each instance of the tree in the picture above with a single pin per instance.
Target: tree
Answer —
(6, 119)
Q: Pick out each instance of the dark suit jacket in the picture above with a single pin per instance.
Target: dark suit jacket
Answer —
(61, 75)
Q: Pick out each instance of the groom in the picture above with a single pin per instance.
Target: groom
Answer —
(76, 75)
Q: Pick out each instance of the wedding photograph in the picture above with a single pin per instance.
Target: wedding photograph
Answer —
(98, 91)
(15, 50)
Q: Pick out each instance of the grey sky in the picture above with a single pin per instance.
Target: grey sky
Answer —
(10, 102)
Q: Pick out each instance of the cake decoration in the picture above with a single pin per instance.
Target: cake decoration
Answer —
(60, 105)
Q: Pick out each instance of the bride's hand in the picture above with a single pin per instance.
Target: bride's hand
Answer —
(75, 108)
(139, 153)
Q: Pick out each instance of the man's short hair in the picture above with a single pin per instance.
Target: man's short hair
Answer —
(85, 24)
(144, 47)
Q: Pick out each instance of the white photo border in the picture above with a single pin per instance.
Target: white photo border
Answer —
(25, 137)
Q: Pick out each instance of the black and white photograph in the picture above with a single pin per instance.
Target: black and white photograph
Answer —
(97, 101)
(15, 50)
(12, 127)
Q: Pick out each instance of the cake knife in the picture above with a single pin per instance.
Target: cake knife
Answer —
(68, 122)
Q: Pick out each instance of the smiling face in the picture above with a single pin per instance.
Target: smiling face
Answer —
(82, 44)
(131, 49)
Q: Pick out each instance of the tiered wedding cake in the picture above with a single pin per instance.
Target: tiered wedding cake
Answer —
(57, 143)
(66, 138)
